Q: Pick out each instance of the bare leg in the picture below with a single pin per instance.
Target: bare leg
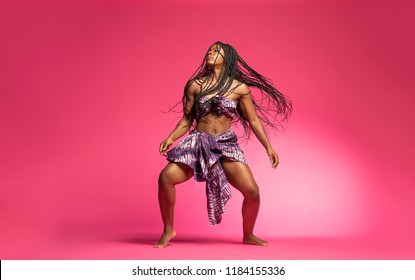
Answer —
(240, 176)
(172, 174)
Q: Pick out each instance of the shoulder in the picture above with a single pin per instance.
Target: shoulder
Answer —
(192, 87)
(240, 88)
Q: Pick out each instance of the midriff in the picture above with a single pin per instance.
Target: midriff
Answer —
(213, 124)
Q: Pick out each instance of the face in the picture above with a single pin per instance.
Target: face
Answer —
(214, 56)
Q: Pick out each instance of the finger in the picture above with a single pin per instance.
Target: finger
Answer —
(275, 162)
(162, 147)
(272, 160)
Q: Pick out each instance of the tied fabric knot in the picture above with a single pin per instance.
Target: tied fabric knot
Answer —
(208, 154)
(217, 105)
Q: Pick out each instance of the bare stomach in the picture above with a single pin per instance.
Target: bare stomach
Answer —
(213, 124)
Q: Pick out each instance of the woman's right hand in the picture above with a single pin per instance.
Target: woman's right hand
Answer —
(165, 145)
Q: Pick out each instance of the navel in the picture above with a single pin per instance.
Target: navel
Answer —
(214, 131)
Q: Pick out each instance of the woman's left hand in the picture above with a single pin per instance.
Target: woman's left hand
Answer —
(273, 157)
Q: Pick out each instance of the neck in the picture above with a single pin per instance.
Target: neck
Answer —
(215, 74)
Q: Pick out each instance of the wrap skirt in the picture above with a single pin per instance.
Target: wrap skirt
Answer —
(202, 152)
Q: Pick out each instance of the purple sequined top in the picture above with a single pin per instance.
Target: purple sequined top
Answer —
(217, 104)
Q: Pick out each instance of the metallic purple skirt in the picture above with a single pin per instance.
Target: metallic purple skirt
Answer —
(202, 151)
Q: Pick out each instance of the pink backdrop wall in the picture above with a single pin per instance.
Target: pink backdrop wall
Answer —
(83, 84)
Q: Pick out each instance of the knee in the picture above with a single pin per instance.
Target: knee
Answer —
(164, 178)
(252, 193)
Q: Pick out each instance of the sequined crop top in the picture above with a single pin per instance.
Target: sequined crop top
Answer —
(217, 104)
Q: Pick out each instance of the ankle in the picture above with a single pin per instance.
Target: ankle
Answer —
(248, 234)
(168, 230)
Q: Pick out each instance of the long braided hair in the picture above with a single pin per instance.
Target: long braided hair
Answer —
(273, 107)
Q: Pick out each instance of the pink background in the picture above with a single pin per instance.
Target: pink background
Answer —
(83, 85)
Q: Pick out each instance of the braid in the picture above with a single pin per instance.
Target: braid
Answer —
(273, 107)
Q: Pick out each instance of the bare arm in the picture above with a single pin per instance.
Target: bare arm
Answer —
(185, 122)
(255, 123)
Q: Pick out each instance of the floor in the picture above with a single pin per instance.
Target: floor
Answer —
(133, 246)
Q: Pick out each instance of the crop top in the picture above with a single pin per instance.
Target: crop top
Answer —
(217, 104)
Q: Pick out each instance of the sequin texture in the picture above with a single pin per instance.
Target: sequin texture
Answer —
(217, 104)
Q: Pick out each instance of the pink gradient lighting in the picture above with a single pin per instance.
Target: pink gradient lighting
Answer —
(320, 186)
(83, 87)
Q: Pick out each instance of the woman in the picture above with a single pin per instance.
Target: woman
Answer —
(215, 96)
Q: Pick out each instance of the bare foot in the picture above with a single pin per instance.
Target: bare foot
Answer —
(253, 240)
(164, 240)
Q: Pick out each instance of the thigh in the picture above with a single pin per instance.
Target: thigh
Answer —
(240, 176)
(175, 173)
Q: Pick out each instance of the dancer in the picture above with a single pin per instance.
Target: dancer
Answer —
(216, 96)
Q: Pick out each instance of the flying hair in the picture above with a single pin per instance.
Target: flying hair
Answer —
(273, 108)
